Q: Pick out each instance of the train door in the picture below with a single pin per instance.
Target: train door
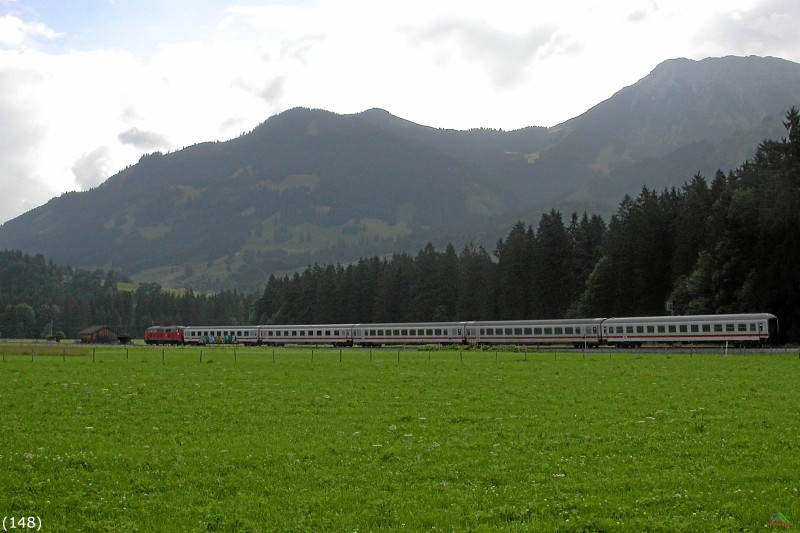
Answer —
(772, 330)
(470, 332)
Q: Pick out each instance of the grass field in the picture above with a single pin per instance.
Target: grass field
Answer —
(287, 440)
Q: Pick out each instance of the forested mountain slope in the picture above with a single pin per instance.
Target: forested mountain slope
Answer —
(310, 186)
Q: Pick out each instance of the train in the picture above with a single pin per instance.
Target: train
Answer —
(746, 329)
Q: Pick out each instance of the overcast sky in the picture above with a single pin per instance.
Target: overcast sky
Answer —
(88, 86)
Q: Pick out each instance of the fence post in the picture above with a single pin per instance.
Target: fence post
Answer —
(340, 355)
(162, 356)
(94, 354)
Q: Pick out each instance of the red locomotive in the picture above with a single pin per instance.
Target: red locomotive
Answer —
(164, 335)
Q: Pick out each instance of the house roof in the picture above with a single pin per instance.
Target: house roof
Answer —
(94, 329)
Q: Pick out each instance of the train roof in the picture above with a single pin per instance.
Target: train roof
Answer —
(545, 322)
(692, 318)
(301, 326)
(409, 325)
(245, 326)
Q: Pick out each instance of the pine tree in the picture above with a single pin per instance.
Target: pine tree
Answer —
(514, 270)
(553, 273)
(476, 284)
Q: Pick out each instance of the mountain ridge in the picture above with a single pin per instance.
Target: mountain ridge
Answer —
(311, 185)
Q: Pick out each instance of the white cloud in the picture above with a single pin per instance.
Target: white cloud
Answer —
(143, 140)
(72, 101)
(273, 91)
(92, 168)
(17, 34)
(21, 132)
(506, 57)
(767, 28)
(70, 118)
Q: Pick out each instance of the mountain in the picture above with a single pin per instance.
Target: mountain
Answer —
(313, 186)
(304, 184)
(684, 117)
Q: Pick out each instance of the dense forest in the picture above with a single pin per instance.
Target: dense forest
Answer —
(731, 245)
(39, 299)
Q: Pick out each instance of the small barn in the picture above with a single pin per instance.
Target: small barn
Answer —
(103, 335)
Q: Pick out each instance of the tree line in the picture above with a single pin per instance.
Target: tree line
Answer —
(446, 285)
(39, 299)
(731, 245)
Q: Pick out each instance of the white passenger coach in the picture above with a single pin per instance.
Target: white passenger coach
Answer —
(738, 329)
(576, 331)
(754, 328)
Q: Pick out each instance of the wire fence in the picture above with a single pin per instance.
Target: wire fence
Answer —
(66, 352)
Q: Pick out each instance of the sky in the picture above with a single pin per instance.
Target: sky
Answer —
(89, 86)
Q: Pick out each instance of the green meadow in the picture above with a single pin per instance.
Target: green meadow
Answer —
(256, 439)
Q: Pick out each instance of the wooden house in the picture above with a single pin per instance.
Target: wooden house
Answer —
(102, 335)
